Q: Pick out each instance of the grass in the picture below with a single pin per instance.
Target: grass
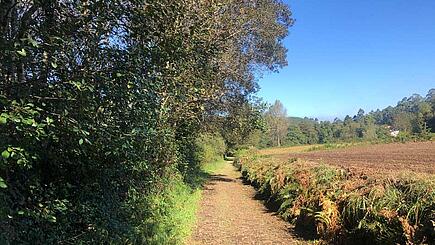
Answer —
(175, 208)
(288, 149)
(212, 167)
(332, 146)
(308, 148)
(173, 213)
(320, 147)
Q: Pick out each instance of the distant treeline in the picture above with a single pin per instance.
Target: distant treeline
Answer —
(411, 118)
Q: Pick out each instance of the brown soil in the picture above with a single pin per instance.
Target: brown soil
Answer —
(230, 214)
(381, 159)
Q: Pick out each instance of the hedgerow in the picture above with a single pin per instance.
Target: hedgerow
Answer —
(334, 205)
(101, 104)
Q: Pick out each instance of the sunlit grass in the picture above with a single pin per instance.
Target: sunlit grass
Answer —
(175, 214)
(175, 208)
(288, 149)
(213, 167)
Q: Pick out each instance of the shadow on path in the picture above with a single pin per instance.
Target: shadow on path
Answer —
(232, 212)
(220, 177)
(272, 207)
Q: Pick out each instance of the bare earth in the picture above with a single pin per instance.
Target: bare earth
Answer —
(229, 214)
(418, 157)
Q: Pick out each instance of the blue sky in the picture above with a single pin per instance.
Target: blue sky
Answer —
(350, 54)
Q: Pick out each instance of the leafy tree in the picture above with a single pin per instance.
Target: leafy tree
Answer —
(102, 102)
(359, 116)
(277, 122)
(325, 133)
(309, 129)
(430, 99)
(295, 136)
(414, 116)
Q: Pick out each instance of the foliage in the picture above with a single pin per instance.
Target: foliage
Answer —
(101, 104)
(242, 123)
(413, 117)
(211, 148)
(277, 123)
(172, 214)
(212, 167)
(339, 207)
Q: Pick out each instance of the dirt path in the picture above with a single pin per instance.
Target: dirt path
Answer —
(229, 214)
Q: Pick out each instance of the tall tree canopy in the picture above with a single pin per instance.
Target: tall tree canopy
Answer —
(100, 100)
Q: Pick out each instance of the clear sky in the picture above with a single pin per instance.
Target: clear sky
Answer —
(350, 54)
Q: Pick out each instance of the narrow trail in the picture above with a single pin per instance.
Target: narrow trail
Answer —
(230, 214)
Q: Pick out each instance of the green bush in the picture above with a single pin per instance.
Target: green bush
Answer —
(210, 148)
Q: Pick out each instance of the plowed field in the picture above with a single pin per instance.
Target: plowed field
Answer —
(379, 159)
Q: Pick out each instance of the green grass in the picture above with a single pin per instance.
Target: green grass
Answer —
(173, 213)
(332, 146)
(213, 167)
(175, 208)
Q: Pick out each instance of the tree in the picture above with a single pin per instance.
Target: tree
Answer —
(276, 118)
(295, 136)
(241, 122)
(101, 103)
(325, 132)
(359, 116)
(430, 99)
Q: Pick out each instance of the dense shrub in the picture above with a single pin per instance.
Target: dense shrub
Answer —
(101, 103)
(210, 148)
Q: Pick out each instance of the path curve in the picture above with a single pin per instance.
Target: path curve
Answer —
(229, 214)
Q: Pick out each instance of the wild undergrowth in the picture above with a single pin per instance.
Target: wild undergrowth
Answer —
(173, 213)
(212, 167)
(337, 207)
(173, 210)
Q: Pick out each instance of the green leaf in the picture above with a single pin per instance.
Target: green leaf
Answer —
(5, 154)
(20, 212)
(2, 183)
(54, 65)
(32, 41)
(49, 120)
(51, 218)
(81, 142)
(3, 120)
(22, 52)
(21, 161)
(28, 121)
